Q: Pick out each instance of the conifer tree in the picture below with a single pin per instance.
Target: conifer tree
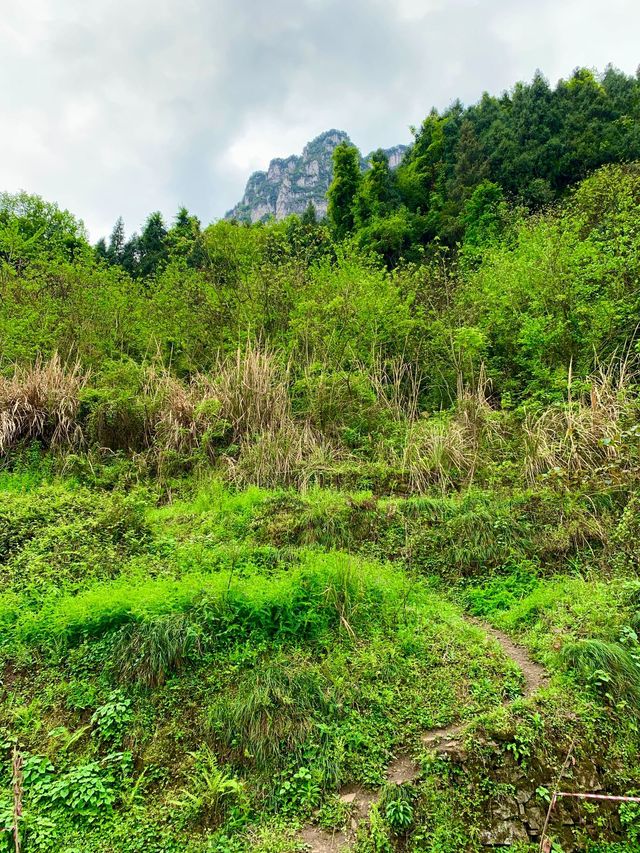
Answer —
(117, 241)
(152, 245)
(310, 217)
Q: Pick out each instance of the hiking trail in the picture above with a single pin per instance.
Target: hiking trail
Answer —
(403, 768)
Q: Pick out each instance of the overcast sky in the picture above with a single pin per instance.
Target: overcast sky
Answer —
(121, 107)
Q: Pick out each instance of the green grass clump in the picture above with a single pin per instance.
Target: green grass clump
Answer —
(273, 710)
(609, 668)
(150, 650)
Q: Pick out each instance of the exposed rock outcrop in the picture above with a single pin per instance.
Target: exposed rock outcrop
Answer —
(289, 184)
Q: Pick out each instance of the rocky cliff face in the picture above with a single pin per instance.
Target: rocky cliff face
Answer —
(290, 184)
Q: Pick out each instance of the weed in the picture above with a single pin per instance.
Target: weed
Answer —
(396, 803)
(151, 650)
(609, 668)
(299, 791)
(212, 795)
(110, 720)
(273, 711)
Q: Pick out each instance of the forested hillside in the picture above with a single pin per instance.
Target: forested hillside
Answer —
(322, 535)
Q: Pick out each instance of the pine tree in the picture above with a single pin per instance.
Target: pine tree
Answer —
(101, 249)
(184, 239)
(131, 256)
(309, 217)
(117, 241)
(152, 245)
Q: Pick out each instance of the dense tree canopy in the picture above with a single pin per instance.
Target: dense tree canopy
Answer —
(532, 143)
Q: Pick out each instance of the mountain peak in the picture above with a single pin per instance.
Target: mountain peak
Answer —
(290, 183)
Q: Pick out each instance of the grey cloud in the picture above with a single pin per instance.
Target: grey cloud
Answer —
(125, 106)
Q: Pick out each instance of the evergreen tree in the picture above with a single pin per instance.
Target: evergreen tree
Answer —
(184, 239)
(471, 166)
(117, 241)
(131, 256)
(344, 189)
(101, 249)
(378, 194)
(310, 217)
(152, 246)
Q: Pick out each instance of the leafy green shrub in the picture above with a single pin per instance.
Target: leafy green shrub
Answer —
(396, 804)
(85, 792)
(374, 837)
(319, 517)
(462, 536)
(63, 537)
(323, 593)
(110, 720)
(299, 792)
(341, 404)
(115, 409)
(630, 819)
(626, 537)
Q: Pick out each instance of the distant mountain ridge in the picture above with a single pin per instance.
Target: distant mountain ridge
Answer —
(290, 183)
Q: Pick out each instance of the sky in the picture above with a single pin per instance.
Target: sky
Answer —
(122, 107)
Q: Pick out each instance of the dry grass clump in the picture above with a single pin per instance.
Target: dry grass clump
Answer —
(396, 384)
(292, 455)
(446, 452)
(476, 415)
(436, 452)
(582, 435)
(246, 396)
(245, 401)
(181, 414)
(253, 390)
(41, 402)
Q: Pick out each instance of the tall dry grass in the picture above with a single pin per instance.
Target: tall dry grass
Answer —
(292, 455)
(41, 402)
(180, 414)
(435, 453)
(245, 407)
(582, 435)
(396, 383)
(246, 395)
(447, 451)
(252, 386)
